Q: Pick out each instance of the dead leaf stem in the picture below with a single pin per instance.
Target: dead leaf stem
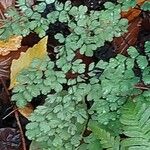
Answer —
(20, 129)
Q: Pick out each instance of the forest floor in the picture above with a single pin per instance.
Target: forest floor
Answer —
(12, 122)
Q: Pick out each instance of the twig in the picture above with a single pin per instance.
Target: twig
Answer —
(21, 131)
(16, 116)
(9, 114)
(142, 87)
(51, 45)
(1, 14)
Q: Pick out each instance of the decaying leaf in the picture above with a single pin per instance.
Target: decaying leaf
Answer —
(26, 111)
(9, 139)
(7, 3)
(4, 67)
(132, 13)
(5, 62)
(122, 43)
(37, 51)
(12, 44)
(4, 4)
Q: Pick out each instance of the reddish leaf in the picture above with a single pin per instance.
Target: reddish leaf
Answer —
(122, 43)
(131, 14)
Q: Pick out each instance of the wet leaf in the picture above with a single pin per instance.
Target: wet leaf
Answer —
(122, 43)
(37, 51)
(9, 139)
(131, 14)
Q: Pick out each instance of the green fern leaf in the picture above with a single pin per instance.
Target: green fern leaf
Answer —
(136, 126)
(146, 6)
(107, 141)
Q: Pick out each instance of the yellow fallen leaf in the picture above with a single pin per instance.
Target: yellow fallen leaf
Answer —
(37, 51)
(26, 111)
(12, 44)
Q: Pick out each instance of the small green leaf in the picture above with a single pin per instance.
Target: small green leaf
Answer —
(146, 6)
(49, 1)
(147, 46)
(91, 66)
(101, 64)
(60, 37)
(132, 52)
(82, 9)
(142, 61)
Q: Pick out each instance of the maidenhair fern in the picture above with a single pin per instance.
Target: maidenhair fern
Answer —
(77, 18)
(85, 106)
(59, 122)
(37, 19)
(39, 78)
(116, 85)
(108, 87)
(146, 6)
(126, 4)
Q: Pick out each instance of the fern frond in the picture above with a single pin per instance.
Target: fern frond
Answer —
(107, 141)
(136, 126)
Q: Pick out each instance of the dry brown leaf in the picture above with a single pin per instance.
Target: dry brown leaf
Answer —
(12, 44)
(5, 62)
(4, 4)
(7, 3)
(4, 67)
(26, 111)
(37, 51)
